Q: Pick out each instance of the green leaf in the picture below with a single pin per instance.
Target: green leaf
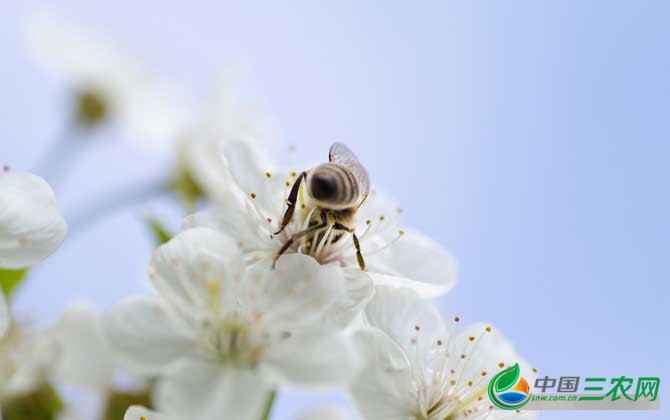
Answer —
(160, 232)
(11, 279)
(508, 378)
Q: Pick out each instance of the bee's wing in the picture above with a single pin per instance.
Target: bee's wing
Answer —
(342, 155)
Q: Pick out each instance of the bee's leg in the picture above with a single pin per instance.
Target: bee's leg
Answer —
(292, 199)
(357, 245)
(308, 231)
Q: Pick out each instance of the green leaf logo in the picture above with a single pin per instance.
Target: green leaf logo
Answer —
(507, 378)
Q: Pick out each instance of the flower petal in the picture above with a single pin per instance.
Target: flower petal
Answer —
(383, 388)
(189, 267)
(146, 336)
(358, 289)
(84, 359)
(314, 358)
(31, 226)
(198, 390)
(406, 318)
(415, 259)
(296, 292)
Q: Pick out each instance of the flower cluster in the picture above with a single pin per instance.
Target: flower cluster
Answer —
(279, 277)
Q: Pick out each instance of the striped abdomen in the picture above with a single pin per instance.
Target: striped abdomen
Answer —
(333, 185)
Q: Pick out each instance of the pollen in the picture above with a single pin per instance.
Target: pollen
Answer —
(302, 206)
(253, 195)
(268, 175)
(452, 382)
(480, 398)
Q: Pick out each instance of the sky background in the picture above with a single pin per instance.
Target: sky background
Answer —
(529, 138)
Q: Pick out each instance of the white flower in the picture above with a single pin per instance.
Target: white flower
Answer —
(109, 83)
(224, 334)
(254, 193)
(83, 358)
(31, 226)
(224, 115)
(419, 368)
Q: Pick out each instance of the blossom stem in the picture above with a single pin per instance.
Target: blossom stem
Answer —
(56, 162)
(268, 405)
(107, 203)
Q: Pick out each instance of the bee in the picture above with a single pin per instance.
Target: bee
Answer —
(334, 190)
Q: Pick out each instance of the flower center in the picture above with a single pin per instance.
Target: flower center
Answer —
(231, 341)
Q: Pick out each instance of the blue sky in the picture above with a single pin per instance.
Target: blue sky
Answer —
(529, 138)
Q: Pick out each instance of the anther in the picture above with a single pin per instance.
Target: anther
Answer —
(457, 319)
(294, 174)
(6, 168)
(488, 329)
(381, 218)
(463, 356)
(483, 373)
(534, 370)
(471, 338)
(501, 365)
(469, 383)
(253, 196)
(268, 175)
(401, 232)
(288, 184)
(269, 220)
(417, 327)
(439, 342)
(452, 382)
(367, 222)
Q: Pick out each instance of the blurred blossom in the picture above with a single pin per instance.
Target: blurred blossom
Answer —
(84, 359)
(223, 334)
(26, 357)
(223, 117)
(254, 192)
(419, 367)
(107, 83)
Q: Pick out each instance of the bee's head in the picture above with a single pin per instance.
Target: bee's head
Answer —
(324, 184)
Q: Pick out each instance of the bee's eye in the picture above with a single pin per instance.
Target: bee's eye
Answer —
(323, 186)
